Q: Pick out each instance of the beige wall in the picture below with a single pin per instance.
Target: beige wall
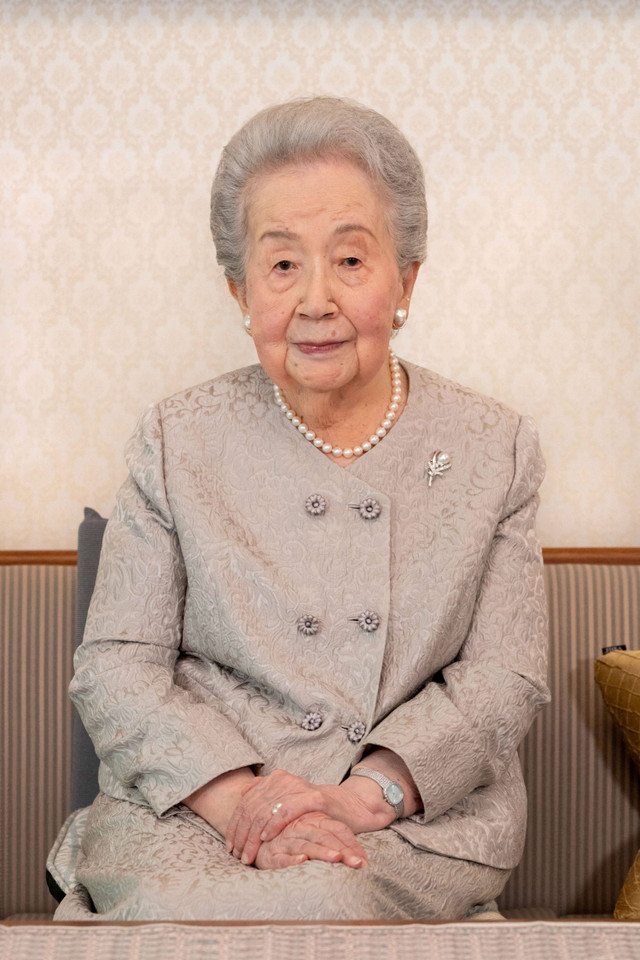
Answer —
(527, 118)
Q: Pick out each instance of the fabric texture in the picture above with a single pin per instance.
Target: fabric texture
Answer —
(65, 853)
(618, 676)
(535, 940)
(193, 663)
(180, 865)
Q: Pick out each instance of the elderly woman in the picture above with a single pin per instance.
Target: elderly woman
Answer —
(318, 631)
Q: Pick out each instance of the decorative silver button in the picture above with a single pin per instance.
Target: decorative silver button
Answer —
(355, 731)
(367, 621)
(312, 721)
(369, 509)
(308, 625)
(315, 505)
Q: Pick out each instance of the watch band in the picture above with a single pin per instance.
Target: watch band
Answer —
(391, 790)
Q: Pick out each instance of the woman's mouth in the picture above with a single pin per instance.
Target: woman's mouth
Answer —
(326, 346)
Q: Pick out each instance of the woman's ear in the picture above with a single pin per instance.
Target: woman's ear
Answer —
(239, 295)
(409, 279)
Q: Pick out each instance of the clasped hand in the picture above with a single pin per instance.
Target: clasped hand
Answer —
(311, 822)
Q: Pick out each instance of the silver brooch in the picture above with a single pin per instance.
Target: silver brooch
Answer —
(437, 465)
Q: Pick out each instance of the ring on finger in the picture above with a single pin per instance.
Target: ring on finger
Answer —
(275, 808)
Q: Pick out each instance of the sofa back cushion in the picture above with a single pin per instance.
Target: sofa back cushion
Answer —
(583, 790)
(84, 763)
(37, 621)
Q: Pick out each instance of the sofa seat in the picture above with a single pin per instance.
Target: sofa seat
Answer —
(535, 940)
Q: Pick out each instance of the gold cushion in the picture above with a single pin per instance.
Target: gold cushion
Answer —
(618, 676)
(628, 903)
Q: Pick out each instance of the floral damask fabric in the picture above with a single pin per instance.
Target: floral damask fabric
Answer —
(193, 662)
(178, 868)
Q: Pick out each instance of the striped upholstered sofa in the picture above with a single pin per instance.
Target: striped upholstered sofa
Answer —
(584, 796)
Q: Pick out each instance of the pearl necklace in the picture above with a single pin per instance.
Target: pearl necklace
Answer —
(348, 452)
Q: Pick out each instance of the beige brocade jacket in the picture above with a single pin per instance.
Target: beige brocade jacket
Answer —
(200, 654)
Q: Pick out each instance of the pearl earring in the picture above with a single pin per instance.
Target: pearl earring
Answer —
(400, 319)
(247, 324)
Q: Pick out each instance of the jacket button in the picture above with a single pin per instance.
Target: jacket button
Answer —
(368, 621)
(355, 731)
(308, 625)
(313, 720)
(369, 509)
(315, 505)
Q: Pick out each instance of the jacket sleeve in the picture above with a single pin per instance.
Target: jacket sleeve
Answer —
(462, 733)
(152, 734)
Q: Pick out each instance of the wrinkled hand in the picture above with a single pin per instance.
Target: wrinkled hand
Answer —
(313, 836)
(253, 821)
(293, 797)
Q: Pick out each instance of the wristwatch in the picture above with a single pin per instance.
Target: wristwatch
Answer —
(392, 791)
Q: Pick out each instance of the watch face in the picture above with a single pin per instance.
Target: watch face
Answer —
(394, 794)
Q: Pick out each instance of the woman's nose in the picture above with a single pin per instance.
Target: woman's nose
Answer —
(317, 299)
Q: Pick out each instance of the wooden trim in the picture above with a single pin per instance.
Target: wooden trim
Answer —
(610, 555)
(20, 558)
(588, 920)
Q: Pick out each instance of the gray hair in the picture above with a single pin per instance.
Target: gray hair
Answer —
(307, 129)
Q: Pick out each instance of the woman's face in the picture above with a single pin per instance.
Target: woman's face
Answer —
(322, 281)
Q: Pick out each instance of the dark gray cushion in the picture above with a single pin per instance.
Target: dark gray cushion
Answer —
(84, 763)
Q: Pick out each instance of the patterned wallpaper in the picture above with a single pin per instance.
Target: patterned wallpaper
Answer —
(526, 116)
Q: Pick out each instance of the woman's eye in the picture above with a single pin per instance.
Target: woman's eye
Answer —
(351, 261)
(284, 265)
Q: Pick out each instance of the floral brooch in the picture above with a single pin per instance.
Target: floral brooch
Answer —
(439, 463)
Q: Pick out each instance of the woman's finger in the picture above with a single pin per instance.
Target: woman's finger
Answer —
(231, 826)
(237, 839)
(352, 854)
(282, 860)
(250, 786)
(264, 811)
(344, 837)
(250, 801)
(326, 839)
(270, 860)
(251, 815)
(329, 853)
(247, 840)
(290, 808)
(312, 837)
(253, 839)
(336, 834)
(266, 825)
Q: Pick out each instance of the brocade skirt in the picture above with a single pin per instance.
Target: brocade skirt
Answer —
(135, 866)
